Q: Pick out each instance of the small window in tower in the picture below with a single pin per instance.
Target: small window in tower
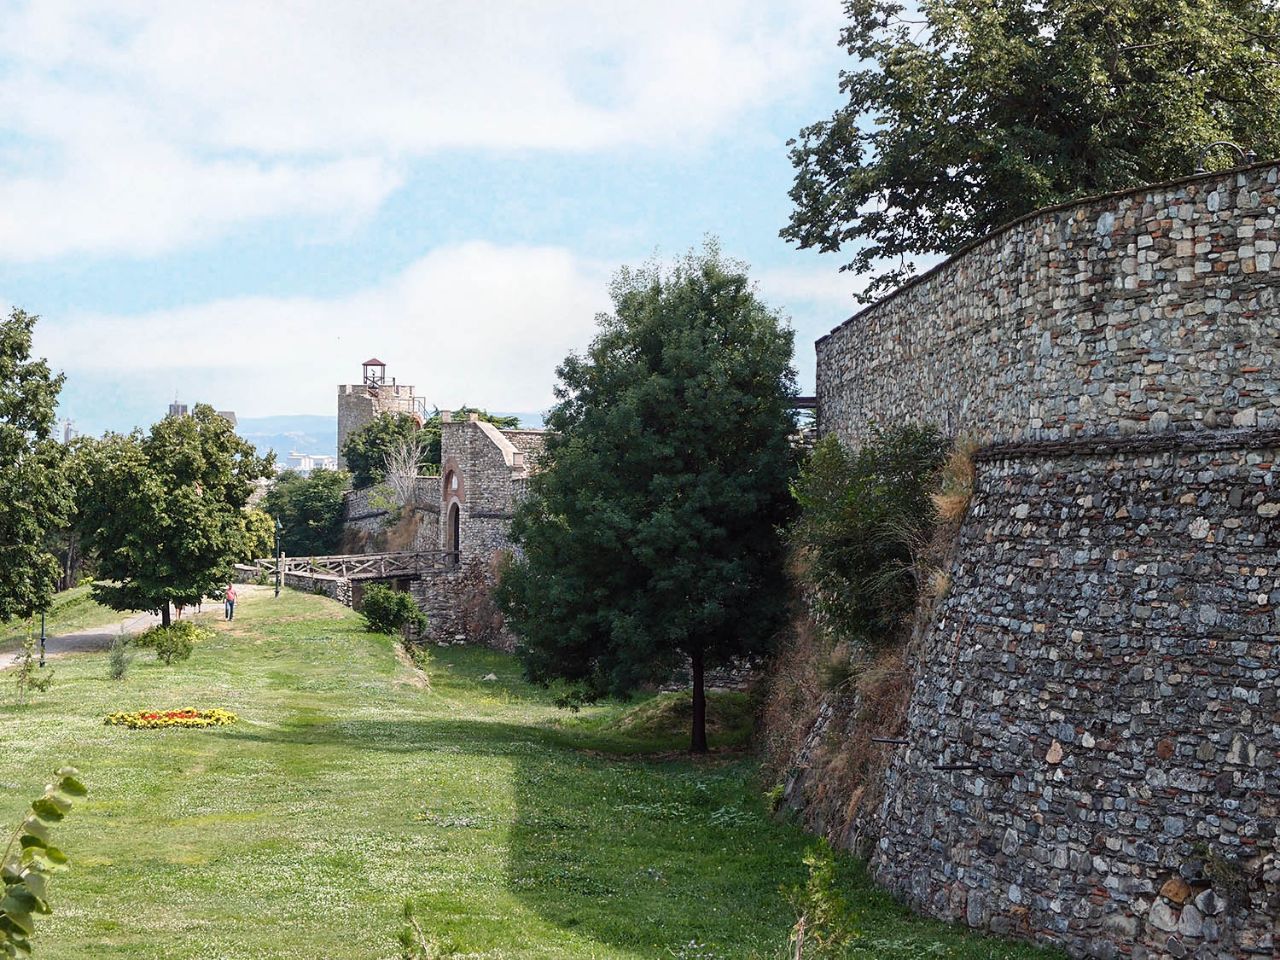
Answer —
(453, 481)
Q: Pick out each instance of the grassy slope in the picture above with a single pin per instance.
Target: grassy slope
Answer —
(72, 610)
(347, 787)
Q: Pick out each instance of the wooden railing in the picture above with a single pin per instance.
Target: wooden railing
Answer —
(363, 566)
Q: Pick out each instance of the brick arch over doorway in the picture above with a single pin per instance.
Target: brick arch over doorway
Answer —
(453, 485)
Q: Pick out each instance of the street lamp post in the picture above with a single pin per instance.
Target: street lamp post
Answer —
(279, 554)
(42, 638)
(1247, 156)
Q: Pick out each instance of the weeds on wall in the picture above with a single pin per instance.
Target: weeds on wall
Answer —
(870, 552)
(864, 519)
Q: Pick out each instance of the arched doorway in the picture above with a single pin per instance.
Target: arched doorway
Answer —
(453, 532)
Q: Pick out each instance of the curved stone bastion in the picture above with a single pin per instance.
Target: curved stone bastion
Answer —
(1093, 741)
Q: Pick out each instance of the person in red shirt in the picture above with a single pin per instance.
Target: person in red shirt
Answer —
(231, 601)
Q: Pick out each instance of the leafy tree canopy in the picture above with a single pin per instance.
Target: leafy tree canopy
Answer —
(164, 510)
(366, 450)
(965, 114)
(310, 509)
(35, 496)
(651, 533)
(259, 535)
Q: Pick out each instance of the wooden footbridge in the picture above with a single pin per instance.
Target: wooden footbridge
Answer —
(362, 566)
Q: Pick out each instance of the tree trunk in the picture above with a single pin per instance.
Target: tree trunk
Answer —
(164, 614)
(699, 740)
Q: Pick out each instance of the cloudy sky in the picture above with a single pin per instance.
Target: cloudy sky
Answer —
(239, 201)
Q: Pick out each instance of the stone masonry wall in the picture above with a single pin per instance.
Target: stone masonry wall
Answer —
(489, 483)
(1103, 680)
(1093, 752)
(366, 512)
(484, 473)
(372, 522)
(529, 442)
(1144, 311)
(335, 588)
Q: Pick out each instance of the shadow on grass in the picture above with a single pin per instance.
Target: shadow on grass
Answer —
(643, 855)
(662, 857)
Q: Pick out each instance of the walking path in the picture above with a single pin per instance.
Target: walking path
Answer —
(100, 638)
(87, 641)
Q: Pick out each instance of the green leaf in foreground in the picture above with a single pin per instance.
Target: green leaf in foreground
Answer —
(28, 861)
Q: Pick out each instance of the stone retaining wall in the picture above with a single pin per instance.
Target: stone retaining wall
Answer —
(1150, 310)
(1107, 661)
(1094, 733)
(335, 588)
(374, 523)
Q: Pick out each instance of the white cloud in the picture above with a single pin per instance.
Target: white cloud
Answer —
(474, 323)
(823, 286)
(146, 198)
(138, 126)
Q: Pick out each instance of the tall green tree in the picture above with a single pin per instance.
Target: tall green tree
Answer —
(650, 537)
(310, 508)
(965, 114)
(164, 511)
(366, 450)
(35, 496)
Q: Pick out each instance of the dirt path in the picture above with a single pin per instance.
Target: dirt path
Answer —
(97, 639)
(87, 641)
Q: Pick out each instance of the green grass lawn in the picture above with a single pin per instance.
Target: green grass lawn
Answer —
(349, 786)
(72, 610)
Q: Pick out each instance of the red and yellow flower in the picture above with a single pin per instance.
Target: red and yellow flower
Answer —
(187, 717)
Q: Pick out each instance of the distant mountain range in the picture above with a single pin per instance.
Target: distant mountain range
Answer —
(309, 433)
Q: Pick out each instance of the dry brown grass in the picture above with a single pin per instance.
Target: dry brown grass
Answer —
(849, 765)
(955, 488)
(794, 692)
(939, 584)
(868, 688)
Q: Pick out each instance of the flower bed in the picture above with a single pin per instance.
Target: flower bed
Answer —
(161, 719)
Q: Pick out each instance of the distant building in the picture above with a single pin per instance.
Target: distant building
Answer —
(177, 409)
(306, 462)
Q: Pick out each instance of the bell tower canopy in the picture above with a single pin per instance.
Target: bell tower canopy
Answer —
(375, 372)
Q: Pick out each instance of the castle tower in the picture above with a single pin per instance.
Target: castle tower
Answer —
(359, 403)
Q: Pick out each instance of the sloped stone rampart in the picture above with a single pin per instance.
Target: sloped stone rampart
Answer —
(1094, 734)
(1103, 676)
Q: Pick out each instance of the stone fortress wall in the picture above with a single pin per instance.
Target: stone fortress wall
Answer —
(374, 523)
(1148, 310)
(1093, 753)
(359, 405)
(483, 472)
